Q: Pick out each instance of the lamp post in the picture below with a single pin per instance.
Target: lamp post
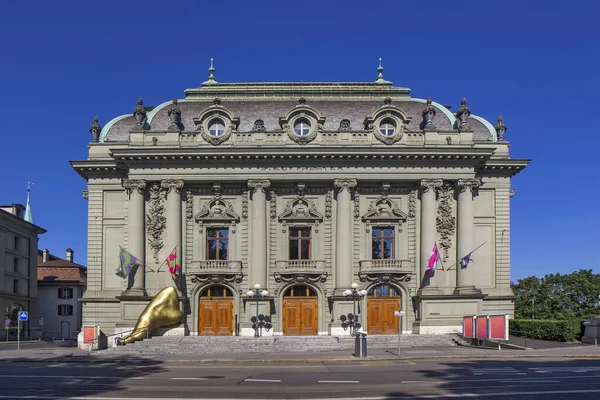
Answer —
(259, 320)
(356, 295)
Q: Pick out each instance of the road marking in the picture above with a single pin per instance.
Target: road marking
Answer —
(546, 370)
(56, 365)
(410, 362)
(138, 377)
(338, 381)
(531, 380)
(190, 379)
(377, 363)
(495, 371)
(262, 380)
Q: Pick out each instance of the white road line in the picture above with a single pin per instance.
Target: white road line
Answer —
(530, 381)
(338, 381)
(137, 377)
(262, 380)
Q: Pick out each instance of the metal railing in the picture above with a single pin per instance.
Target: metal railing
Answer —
(97, 338)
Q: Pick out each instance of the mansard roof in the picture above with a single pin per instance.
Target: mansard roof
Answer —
(268, 102)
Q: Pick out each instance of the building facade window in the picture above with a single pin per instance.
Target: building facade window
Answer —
(216, 127)
(302, 127)
(382, 243)
(16, 286)
(16, 264)
(17, 242)
(217, 244)
(65, 293)
(387, 127)
(299, 244)
(65, 309)
(383, 291)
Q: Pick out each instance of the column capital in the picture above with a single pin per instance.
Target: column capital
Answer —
(172, 184)
(133, 184)
(430, 184)
(467, 184)
(345, 183)
(259, 184)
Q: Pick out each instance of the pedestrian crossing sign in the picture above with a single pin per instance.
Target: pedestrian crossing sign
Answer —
(22, 315)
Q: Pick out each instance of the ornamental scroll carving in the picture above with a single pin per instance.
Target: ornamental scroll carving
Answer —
(356, 205)
(445, 222)
(172, 184)
(430, 184)
(301, 209)
(155, 219)
(134, 184)
(301, 277)
(345, 184)
(259, 184)
(385, 277)
(273, 205)
(217, 210)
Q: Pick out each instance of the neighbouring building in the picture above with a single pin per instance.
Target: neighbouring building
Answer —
(18, 263)
(303, 189)
(61, 285)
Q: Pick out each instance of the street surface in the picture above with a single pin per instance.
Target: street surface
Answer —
(137, 378)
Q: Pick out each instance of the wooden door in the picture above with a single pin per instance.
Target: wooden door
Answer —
(380, 316)
(216, 317)
(300, 317)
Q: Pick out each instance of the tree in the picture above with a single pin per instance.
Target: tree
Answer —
(555, 296)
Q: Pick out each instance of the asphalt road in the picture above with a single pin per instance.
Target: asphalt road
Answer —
(137, 379)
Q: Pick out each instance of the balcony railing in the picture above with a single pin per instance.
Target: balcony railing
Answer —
(207, 266)
(387, 264)
(300, 264)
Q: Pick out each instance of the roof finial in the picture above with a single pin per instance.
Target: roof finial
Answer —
(211, 76)
(380, 78)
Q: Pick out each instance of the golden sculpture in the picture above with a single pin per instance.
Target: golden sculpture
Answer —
(162, 311)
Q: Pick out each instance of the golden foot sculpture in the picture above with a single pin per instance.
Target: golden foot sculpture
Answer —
(162, 311)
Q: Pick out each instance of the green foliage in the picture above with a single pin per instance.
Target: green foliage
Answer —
(556, 330)
(555, 296)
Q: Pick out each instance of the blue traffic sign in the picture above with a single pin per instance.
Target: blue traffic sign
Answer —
(23, 315)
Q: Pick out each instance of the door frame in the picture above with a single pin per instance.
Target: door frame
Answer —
(194, 317)
(408, 318)
(302, 300)
(320, 306)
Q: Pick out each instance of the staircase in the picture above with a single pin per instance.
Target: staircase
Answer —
(266, 344)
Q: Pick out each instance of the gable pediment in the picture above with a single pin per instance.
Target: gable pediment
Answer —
(300, 209)
(215, 210)
(384, 209)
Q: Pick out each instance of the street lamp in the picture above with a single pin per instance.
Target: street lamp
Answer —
(259, 321)
(356, 295)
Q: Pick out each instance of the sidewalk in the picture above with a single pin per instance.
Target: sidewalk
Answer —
(54, 354)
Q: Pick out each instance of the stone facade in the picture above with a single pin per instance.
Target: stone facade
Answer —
(352, 165)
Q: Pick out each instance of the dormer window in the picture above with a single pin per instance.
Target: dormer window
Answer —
(387, 127)
(216, 127)
(302, 127)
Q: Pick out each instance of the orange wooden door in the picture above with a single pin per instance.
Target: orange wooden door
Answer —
(380, 316)
(300, 317)
(216, 317)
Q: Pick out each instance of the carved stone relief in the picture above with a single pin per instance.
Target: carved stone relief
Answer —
(356, 205)
(245, 205)
(328, 204)
(301, 277)
(412, 204)
(189, 206)
(155, 219)
(446, 222)
(385, 277)
(217, 210)
(273, 205)
(300, 209)
(384, 209)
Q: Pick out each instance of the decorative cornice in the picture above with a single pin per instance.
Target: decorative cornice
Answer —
(345, 184)
(430, 184)
(259, 184)
(467, 184)
(172, 184)
(134, 184)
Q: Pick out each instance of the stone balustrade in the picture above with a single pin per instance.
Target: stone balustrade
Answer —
(214, 266)
(300, 264)
(384, 264)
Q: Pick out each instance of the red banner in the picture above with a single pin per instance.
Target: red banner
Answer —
(468, 331)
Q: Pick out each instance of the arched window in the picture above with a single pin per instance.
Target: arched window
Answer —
(216, 291)
(383, 291)
(300, 291)
(216, 127)
(302, 127)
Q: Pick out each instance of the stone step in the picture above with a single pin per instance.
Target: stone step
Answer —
(245, 344)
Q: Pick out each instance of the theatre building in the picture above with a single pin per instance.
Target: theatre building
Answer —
(303, 189)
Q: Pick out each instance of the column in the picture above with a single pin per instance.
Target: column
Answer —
(173, 188)
(465, 277)
(343, 238)
(258, 241)
(136, 231)
(428, 224)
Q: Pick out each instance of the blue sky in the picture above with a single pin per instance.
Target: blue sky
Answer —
(63, 62)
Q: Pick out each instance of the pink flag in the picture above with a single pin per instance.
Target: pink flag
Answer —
(433, 260)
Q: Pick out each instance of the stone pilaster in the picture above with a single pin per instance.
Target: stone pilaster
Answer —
(173, 189)
(343, 243)
(465, 277)
(137, 231)
(258, 260)
(428, 224)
